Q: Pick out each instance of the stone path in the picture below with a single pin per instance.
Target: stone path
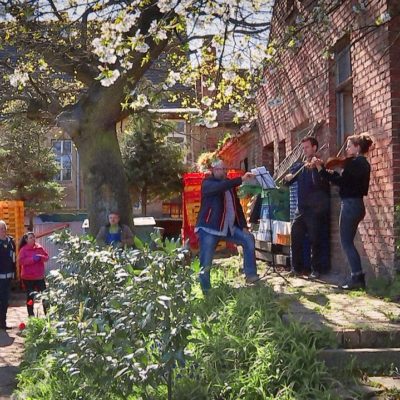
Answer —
(12, 345)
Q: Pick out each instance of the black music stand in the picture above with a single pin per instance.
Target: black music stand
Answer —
(267, 184)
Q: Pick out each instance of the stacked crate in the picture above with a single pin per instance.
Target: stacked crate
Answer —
(12, 213)
(191, 199)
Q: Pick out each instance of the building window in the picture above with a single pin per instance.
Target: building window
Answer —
(344, 95)
(268, 157)
(63, 151)
(179, 135)
(244, 164)
(282, 150)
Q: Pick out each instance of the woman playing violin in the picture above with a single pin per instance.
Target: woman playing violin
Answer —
(353, 182)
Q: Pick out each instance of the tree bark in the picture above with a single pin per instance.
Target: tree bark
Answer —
(105, 184)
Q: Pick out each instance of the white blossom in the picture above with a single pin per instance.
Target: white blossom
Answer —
(126, 64)
(172, 78)
(161, 34)
(229, 75)
(207, 101)
(18, 78)
(166, 5)
(140, 102)
(109, 76)
(142, 47)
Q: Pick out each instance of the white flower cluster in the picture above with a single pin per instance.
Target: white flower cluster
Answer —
(18, 78)
(140, 102)
(108, 77)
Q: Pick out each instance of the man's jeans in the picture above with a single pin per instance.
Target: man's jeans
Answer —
(311, 223)
(5, 285)
(352, 212)
(208, 243)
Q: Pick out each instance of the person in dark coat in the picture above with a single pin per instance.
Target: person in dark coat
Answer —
(7, 271)
(312, 214)
(221, 217)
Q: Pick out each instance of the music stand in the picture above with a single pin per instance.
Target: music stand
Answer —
(267, 184)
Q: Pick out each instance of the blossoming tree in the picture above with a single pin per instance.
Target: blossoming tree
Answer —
(79, 63)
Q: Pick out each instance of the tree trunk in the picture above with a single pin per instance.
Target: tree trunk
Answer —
(105, 183)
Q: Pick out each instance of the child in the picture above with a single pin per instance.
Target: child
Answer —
(32, 257)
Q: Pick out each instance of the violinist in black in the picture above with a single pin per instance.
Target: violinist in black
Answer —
(312, 214)
(7, 269)
(353, 184)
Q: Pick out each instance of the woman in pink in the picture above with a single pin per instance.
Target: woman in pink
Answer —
(32, 257)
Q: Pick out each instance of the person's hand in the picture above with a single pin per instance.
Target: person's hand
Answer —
(317, 162)
(288, 177)
(248, 176)
(37, 257)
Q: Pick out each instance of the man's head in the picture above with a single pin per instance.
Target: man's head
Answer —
(218, 169)
(310, 146)
(113, 218)
(3, 229)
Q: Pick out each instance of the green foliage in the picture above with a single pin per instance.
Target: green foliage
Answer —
(243, 350)
(28, 166)
(127, 326)
(122, 321)
(153, 162)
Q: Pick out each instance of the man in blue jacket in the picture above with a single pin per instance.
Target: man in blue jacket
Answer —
(7, 269)
(221, 217)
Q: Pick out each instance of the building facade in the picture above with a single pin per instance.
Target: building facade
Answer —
(355, 89)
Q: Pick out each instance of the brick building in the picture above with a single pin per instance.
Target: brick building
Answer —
(355, 91)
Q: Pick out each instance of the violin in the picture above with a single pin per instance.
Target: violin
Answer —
(337, 162)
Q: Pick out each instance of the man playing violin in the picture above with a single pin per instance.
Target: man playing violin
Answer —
(312, 214)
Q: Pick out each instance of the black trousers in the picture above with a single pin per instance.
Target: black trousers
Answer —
(5, 285)
(33, 287)
(309, 223)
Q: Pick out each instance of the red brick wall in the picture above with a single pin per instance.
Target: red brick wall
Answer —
(305, 82)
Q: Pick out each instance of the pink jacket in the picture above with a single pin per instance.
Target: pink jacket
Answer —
(32, 270)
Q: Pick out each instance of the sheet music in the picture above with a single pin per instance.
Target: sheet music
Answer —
(263, 177)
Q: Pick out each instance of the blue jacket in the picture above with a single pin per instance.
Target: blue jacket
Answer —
(213, 207)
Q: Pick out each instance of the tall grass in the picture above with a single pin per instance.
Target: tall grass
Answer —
(241, 349)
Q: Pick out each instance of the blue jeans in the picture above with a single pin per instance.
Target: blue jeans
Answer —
(352, 212)
(208, 243)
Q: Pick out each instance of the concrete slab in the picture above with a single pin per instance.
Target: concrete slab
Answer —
(365, 359)
(386, 382)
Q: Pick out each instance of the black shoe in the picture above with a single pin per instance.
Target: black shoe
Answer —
(294, 273)
(354, 282)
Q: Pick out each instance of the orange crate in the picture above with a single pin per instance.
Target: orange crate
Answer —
(12, 213)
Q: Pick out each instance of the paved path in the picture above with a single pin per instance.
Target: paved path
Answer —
(12, 345)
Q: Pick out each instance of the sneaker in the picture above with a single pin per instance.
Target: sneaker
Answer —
(314, 275)
(353, 283)
(252, 278)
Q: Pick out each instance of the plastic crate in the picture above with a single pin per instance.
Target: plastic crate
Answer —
(12, 213)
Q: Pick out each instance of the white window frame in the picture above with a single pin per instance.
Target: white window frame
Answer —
(60, 161)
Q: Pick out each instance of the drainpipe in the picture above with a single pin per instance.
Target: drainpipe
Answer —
(78, 182)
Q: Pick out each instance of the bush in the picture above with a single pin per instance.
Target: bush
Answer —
(127, 326)
(122, 319)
